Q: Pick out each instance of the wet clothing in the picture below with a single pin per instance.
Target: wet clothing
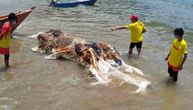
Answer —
(178, 49)
(5, 40)
(136, 31)
(138, 45)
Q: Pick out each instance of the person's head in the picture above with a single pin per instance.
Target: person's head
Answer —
(178, 32)
(12, 18)
(134, 18)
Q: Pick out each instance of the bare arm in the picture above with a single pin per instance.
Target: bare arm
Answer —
(167, 56)
(118, 28)
(184, 59)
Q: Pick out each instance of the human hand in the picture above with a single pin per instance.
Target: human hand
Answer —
(180, 67)
(113, 29)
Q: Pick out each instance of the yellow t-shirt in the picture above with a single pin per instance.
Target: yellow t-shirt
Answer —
(136, 31)
(178, 49)
(6, 30)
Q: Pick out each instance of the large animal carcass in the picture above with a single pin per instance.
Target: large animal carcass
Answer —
(102, 60)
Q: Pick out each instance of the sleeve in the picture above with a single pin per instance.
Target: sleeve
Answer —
(172, 44)
(130, 26)
(185, 49)
(143, 26)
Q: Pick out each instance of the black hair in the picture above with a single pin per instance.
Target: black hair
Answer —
(12, 16)
(179, 31)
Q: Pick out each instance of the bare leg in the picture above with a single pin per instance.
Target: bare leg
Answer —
(130, 51)
(6, 60)
(139, 51)
(6, 63)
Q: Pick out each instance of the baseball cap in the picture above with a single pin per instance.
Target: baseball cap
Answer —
(134, 17)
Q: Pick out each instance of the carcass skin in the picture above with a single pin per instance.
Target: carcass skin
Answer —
(101, 59)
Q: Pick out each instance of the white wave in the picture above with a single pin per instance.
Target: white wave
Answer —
(34, 36)
(51, 57)
(35, 49)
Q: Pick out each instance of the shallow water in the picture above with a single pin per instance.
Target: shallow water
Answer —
(34, 83)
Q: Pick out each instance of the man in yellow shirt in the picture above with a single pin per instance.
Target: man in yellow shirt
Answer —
(177, 55)
(137, 29)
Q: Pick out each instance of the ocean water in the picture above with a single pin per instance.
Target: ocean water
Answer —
(34, 83)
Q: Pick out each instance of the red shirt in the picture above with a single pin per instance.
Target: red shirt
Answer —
(6, 29)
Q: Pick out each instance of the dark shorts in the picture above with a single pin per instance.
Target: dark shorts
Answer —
(173, 74)
(138, 45)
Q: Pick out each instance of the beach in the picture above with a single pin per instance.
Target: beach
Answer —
(35, 83)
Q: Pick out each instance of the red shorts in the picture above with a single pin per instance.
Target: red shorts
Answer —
(175, 69)
(4, 51)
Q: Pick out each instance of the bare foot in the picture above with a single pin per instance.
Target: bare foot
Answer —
(139, 55)
(7, 66)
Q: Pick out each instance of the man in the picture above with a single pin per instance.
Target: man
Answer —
(177, 55)
(5, 37)
(137, 29)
